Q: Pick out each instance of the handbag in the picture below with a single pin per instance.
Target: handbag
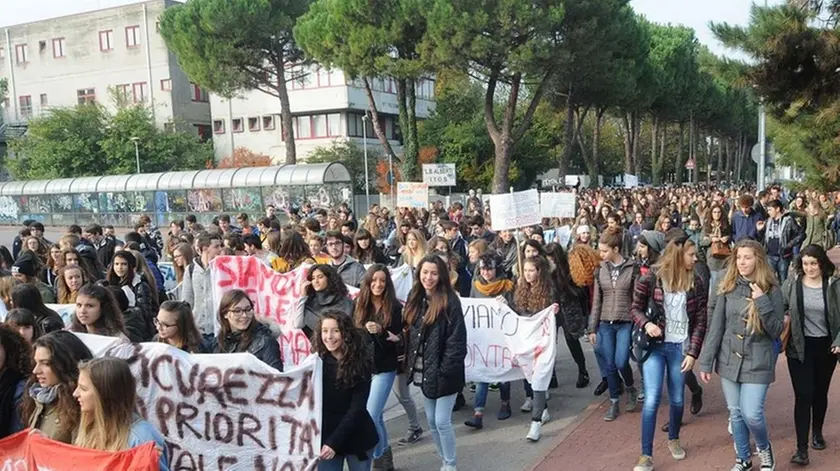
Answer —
(721, 250)
(642, 342)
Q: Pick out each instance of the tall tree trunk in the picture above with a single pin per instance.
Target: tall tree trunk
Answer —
(654, 169)
(719, 169)
(728, 162)
(691, 154)
(286, 123)
(678, 166)
(662, 151)
(568, 138)
(740, 157)
(637, 130)
(590, 166)
(412, 146)
(377, 124)
(628, 144)
(596, 139)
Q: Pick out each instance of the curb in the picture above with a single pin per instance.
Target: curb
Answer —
(567, 431)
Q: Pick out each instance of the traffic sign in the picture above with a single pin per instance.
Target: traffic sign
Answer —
(769, 153)
(690, 164)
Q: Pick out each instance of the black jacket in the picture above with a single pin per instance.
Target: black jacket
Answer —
(792, 236)
(51, 322)
(385, 352)
(346, 425)
(314, 307)
(263, 345)
(444, 350)
(138, 327)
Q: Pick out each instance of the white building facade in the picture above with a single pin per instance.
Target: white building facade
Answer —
(326, 107)
(61, 62)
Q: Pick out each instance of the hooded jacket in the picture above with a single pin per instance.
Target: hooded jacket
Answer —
(791, 236)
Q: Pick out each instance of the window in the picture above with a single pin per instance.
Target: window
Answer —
(324, 77)
(2, 53)
(21, 53)
(219, 126)
(236, 123)
(157, 30)
(334, 125)
(204, 132)
(6, 103)
(303, 127)
(86, 95)
(166, 85)
(25, 106)
(132, 36)
(42, 46)
(123, 92)
(268, 122)
(58, 48)
(319, 125)
(44, 101)
(138, 92)
(198, 94)
(356, 127)
(106, 40)
(253, 124)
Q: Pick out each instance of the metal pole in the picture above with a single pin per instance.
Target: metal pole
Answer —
(762, 139)
(367, 176)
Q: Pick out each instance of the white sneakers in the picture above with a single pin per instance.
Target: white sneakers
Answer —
(545, 416)
(527, 406)
(534, 432)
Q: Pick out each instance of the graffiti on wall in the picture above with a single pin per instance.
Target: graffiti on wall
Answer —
(62, 203)
(205, 200)
(113, 202)
(9, 209)
(242, 199)
(85, 203)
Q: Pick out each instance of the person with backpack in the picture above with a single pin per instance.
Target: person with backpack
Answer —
(669, 304)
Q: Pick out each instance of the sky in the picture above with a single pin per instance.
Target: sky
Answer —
(693, 13)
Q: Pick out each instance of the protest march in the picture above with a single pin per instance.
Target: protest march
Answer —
(266, 347)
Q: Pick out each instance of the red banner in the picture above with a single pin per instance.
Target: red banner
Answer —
(24, 452)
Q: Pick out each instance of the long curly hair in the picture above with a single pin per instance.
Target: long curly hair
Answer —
(18, 354)
(356, 364)
(334, 282)
(66, 351)
(763, 276)
(534, 297)
(583, 260)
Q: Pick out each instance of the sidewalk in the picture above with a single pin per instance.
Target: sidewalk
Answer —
(594, 445)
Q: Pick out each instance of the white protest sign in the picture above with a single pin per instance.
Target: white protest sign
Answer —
(439, 174)
(514, 210)
(412, 195)
(557, 205)
(503, 346)
(230, 410)
(66, 311)
(167, 269)
(630, 181)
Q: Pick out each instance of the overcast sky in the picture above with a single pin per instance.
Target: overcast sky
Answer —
(692, 13)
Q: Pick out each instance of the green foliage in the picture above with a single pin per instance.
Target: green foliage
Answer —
(353, 157)
(87, 140)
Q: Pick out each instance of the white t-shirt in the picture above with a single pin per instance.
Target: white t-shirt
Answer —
(676, 317)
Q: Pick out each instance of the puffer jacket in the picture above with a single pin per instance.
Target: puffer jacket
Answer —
(444, 345)
(196, 289)
(695, 308)
(263, 345)
(613, 301)
(792, 294)
(735, 353)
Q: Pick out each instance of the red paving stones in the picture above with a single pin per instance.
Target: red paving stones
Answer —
(595, 445)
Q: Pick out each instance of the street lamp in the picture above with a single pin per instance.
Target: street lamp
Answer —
(364, 141)
(136, 141)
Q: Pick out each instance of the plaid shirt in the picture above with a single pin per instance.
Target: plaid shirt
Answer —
(695, 307)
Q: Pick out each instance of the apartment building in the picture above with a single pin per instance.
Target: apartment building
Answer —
(97, 56)
(326, 107)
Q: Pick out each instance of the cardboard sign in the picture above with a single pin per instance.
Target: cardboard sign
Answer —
(227, 409)
(503, 346)
(514, 210)
(439, 174)
(557, 205)
(630, 181)
(412, 195)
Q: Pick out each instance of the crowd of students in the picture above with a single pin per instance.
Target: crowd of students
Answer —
(678, 279)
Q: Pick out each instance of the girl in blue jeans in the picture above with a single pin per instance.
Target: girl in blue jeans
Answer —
(677, 318)
(379, 313)
(747, 318)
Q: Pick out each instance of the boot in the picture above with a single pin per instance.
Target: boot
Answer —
(388, 460)
(583, 380)
(378, 464)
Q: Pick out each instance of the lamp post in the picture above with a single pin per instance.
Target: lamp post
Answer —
(364, 144)
(136, 141)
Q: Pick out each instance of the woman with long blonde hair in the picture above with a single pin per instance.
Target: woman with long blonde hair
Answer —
(749, 313)
(677, 326)
(70, 280)
(107, 395)
(414, 249)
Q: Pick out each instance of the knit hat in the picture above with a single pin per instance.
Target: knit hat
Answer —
(25, 265)
(128, 257)
(655, 240)
(676, 235)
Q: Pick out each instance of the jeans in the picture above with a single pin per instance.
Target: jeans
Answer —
(380, 387)
(481, 394)
(613, 340)
(665, 359)
(780, 266)
(811, 379)
(745, 402)
(401, 391)
(439, 416)
(337, 464)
